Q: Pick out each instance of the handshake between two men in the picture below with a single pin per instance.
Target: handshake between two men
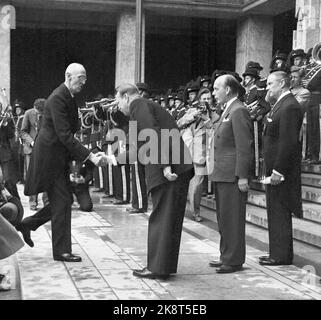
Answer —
(100, 159)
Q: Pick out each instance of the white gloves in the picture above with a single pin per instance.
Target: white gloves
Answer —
(168, 174)
(100, 159)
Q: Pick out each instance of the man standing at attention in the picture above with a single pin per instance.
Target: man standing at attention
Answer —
(233, 164)
(53, 150)
(282, 156)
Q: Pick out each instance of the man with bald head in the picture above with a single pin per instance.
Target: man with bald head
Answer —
(54, 148)
(282, 157)
(233, 164)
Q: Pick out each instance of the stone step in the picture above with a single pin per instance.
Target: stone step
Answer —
(311, 211)
(311, 179)
(303, 230)
(311, 168)
(311, 194)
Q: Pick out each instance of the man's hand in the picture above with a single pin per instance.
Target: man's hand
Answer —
(80, 180)
(95, 158)
(168, 174)
(276, 179)
(243, 185)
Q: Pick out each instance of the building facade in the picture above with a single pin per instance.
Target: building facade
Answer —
(181, 39)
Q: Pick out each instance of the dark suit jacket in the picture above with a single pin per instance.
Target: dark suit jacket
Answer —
(233, 145)
(55, 144)
(150, 115)
(282, 149)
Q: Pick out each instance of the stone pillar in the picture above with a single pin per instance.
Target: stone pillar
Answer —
(308, 31)
(125, 48)
(5, 60)
(254, 42)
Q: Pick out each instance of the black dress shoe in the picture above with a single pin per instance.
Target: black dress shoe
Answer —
(145, 273)
(134, 210)
(264, 258)
(228, 269)
(215, 263)
(120, 202)
(67, 257)
(25, 234)
(107, 196)
(273, 262)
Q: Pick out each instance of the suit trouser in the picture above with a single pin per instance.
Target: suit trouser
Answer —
(279, 226)
(231, 211)
(33, 200)
(139, 189)
(313, 129)
(59, 212)
(165, 224)
(82, 194)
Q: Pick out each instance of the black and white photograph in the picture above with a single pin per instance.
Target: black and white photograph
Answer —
(160, 155)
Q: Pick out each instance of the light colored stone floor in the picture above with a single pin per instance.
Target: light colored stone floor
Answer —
(112, 243)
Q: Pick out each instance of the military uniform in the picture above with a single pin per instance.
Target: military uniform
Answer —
(312, 81)
(255, 102)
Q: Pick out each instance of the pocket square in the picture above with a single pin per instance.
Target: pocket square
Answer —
(226, 120)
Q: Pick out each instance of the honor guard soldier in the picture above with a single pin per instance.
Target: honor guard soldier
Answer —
(296, 58)
(192, 91)
(139, 189)
(254, 100)
(179, 105)
(121, 173)
(205, 81)
(162, 101)
(312, 82)
(279, 62)
(170, 102)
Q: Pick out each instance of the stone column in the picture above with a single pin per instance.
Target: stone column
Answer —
(308, 31)
(254, 42)
(5, 60)
(125, 48)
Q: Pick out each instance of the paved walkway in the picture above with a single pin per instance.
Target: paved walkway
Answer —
(112, 243)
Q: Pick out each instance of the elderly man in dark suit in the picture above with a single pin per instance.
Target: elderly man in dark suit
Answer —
(54, 148)
(30, 127)
(233, 164)
(167, 175)
(282, 156)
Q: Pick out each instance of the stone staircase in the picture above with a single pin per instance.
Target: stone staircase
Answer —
(308, 229)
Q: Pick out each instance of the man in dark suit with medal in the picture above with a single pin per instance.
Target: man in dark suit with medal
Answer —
(282, 156)
(167, 178)
(54, 148)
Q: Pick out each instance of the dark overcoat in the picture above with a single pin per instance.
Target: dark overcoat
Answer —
(282, 150)
(55, 145)
(150, 115)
